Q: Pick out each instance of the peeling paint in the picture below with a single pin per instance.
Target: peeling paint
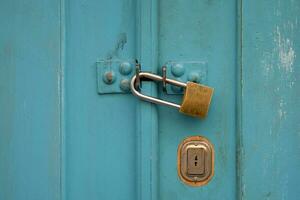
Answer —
(271, 102)
(282, 57)
(119, 46)
(281, 111)
(286, 52)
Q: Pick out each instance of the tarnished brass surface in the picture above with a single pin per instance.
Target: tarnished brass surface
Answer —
(196, 100)
(195, 160)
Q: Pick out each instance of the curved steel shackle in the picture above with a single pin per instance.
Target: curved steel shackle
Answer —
(156, 78)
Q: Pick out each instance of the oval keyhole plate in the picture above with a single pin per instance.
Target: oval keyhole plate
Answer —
(195, 161)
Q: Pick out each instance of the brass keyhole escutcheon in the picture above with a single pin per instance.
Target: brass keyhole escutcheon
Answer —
(195, 161)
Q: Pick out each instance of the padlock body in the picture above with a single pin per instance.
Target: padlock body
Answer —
(196, 100)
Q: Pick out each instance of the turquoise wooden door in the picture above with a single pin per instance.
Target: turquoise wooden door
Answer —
(61, 139)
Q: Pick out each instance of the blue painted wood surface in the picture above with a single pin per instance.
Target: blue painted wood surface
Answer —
(100, 130)
(270, 130)
(201, 31)
(30, 71)
(60, 139)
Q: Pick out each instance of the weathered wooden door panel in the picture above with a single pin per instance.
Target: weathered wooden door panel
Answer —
(60, 139)
(200, 31)
(100, 130)
(30, 103)
(270, 150)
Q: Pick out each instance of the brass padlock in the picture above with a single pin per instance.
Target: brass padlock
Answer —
(196, 98)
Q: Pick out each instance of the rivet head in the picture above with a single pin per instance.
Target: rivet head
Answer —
(175, 88)
(125, 85)
(177, 70)
(194, 77)
(125, 68)
(109, 77)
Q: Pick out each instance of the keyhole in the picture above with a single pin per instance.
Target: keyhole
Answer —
(196, 158)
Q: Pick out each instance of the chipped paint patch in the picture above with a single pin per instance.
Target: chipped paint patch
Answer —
(267, 63)
(119, 46)
(281, 58)
(278, 65)
(286, 52)
(281, 110)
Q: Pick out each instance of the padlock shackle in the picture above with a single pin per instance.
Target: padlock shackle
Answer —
(156, 78)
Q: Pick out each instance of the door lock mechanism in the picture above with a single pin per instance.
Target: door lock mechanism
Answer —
(195, 161)
(196, 99)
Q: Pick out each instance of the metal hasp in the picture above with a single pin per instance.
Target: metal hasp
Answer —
(196, 100)
(184, 71)
(114, 75)
(195, 164)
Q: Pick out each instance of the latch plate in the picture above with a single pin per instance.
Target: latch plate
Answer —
(184, 71)
(195, 161)
(113, 76)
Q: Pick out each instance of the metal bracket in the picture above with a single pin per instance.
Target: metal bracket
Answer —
(113, 76)
(193, 71)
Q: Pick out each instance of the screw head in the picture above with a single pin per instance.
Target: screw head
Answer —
(125, 68)
(194, 77)
(125, 85)
(177, 70)
(109, 77)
